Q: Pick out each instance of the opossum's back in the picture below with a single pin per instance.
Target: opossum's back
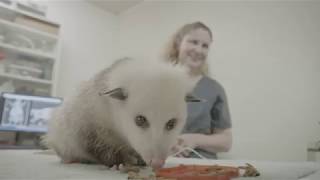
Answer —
(129, 72)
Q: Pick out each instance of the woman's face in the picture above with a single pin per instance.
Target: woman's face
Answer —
(194, 47)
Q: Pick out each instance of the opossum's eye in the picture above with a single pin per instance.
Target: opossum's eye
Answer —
(142, 121)
(171, 124)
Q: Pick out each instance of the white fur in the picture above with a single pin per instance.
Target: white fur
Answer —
(155, 90)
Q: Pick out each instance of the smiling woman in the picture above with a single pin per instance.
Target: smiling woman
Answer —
(208, 127)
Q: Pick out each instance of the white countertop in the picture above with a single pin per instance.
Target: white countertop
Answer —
(37, 164)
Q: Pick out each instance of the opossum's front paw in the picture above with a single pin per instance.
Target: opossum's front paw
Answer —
(130, 162)
(125, 168)
(116, 167)
(133, 160)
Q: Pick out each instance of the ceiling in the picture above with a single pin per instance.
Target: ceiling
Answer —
(115, 6)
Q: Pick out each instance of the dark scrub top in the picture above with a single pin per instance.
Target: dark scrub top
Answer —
(204, 117)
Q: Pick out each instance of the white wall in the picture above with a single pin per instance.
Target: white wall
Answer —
(265, 54)
(87, 34)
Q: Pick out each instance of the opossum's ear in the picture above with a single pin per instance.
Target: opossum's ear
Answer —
(191, 98)
(117, 93)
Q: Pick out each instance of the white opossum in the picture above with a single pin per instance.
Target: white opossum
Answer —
(129, 112)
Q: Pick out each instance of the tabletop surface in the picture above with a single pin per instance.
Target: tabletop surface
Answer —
(38, 164)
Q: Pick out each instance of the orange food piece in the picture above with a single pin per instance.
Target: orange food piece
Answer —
(199, 172)
(218, 177)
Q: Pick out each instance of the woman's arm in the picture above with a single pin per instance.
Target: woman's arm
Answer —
(221, 141)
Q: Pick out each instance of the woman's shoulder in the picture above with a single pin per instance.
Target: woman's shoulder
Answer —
(212, 83)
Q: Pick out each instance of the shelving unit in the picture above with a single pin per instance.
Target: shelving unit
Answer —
(29, 60)
(29, 51)
(14, 10)
(11, 26)
(27, 79)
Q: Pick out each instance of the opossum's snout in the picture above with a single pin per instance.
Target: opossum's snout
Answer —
(155, 162)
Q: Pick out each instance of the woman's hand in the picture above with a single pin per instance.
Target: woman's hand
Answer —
(221, 141)
(183, 141)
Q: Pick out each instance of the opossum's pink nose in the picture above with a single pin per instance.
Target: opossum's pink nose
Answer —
(157, 163)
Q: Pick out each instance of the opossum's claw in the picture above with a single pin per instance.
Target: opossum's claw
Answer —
(114, 168)
(125, 168)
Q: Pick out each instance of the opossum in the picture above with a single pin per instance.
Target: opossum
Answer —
(130, 113)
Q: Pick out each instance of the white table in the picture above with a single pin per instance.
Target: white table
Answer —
(36, 164)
